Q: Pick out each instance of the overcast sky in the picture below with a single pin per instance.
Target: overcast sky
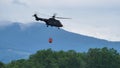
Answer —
(97, 18)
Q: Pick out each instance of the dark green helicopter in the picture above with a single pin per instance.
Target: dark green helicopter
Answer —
(51, 21)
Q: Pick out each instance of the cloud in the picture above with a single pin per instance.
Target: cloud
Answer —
(91, 15)
(73, 3)
(64, 3)
(19, 2)
(18, 51)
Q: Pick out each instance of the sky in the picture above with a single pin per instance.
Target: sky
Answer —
(96, 18)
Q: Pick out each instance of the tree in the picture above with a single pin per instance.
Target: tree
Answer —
(94, 58)
(103, 58)
(1, 65)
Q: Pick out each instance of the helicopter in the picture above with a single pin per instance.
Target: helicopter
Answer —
(51, 21)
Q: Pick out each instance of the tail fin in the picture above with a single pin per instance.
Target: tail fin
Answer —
(36, 17)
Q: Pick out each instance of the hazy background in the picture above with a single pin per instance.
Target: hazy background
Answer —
(97, 18)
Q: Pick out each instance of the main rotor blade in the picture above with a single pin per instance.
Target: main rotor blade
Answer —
(62, 18)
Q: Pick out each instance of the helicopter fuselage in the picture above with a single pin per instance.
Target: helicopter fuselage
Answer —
(53, 22)
(50, 21)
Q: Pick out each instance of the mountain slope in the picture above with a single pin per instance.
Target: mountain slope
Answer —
(18, 43)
